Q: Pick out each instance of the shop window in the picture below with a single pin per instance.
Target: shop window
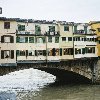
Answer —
(77, 51)
(6, 25)
(31, 53)
(68, 51)
(40, 52)
(49, 52)
(56, 52)
(22, 52)
(90, 49)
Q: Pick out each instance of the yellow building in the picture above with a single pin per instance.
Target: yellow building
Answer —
(95, 25)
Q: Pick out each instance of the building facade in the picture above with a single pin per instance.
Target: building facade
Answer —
(95, 25)
(85, 44)
(8, 42)
(41, 41)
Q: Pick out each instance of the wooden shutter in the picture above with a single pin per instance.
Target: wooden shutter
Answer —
(11, 39)
(26, 52)
(2, 54)
(2, 39)
(35, 52)
(53, 51)
(60, 51)
(44, 52)
(12, 54)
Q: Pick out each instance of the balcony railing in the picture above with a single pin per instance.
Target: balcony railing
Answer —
(55, 33)
(90, 31)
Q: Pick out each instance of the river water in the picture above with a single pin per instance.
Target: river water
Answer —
(32, 84)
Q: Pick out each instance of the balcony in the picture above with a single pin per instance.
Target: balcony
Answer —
(80, 32)
(55, 33)
(24, 32)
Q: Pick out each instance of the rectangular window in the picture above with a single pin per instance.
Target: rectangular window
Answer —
(51, 52)
(69, 38)
(66, 28)
(63, 38)
(99, 41)
(22, 52)
(98, 29)
(90, 49)
(31, 53)
(21, 39)
(56, 39)
(40, 39)
(50, 39)
(40, 52)
(6, 25)
(7, 54)
(56, 52)
(51, 28)
(31, 39)
(80, 31)
(68, 51)
(77, 51)
(21, 27)
(7, 39)
(37, 30)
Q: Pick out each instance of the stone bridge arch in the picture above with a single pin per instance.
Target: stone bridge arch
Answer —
(83, 69)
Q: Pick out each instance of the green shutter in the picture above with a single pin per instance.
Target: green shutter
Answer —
(26, 39)
(17, 39)
(83, 50)
(85, 29)
(60, 51)
(75, 29)
(12, 54)
(17, 53)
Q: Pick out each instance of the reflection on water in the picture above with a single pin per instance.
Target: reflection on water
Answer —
(66, 92)
(32, 84)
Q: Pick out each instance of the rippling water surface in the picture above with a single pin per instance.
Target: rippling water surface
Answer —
(32, 84)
